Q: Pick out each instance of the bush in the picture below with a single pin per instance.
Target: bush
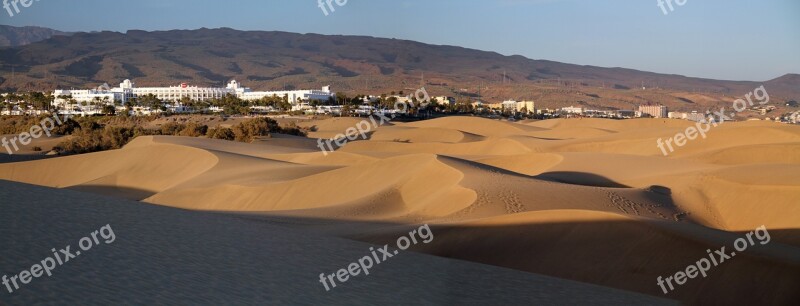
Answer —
(87, 124)
(247, 131)
(92, 134)
(19, 124)
(194, 130)
(9, 125)
(172, 129)
(82, 141)
(221, 133)
(293, 129)
(92, 137)
(66, 128)
(115, 137)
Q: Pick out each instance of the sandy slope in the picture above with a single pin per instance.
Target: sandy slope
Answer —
(586, 199)
(165, 256)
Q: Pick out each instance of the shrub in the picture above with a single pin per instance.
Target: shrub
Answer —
(293, 129)
(82, 141)
(247, 131)
(194, 130)
(115, 137)
(87, 140)
(221, 133)
(19, 124)
(66, 128)
(172, 128)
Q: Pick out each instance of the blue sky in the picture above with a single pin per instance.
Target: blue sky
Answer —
(722, 39)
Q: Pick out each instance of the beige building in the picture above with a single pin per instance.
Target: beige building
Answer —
(518, 106)
(528, 106)
(496, 106)
(656, 111)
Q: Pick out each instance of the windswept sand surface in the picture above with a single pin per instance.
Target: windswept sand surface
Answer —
(166, 256)
(590, 200)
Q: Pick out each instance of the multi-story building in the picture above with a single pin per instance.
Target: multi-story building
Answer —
(526, 107)
(515, 106)
(655, 111)
(445, 100)
(573, 110)
(172, 93)
(127, 90)
(294, 96)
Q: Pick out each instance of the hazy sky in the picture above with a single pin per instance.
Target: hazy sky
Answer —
(723, 39)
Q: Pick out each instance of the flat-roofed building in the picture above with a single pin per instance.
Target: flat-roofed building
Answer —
(655, 111)
(127, 90)
(445, 100)
(527, 107)
(573, 110)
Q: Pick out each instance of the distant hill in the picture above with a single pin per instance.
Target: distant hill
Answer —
(11, 36)
(275, 60)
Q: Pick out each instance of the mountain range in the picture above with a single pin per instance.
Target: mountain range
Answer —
(11, 36)
(269, 60)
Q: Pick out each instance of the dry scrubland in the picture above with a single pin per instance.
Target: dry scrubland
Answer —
(583, 199)
(94, 134)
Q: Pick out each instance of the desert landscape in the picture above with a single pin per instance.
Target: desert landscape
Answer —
(333, 152)
(588, 200)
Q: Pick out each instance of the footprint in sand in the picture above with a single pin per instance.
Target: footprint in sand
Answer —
(624, 205)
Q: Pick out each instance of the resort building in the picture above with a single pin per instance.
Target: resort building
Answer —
(294, 96)
(172, 93)
(515, 106)
(526, 107)
(127, 90)
(573, 110)
(445, 100)
(494, 106)
(655, 111)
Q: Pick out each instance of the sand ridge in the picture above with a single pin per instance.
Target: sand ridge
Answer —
(586, 193)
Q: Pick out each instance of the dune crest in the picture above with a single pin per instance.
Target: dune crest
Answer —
(595, 195)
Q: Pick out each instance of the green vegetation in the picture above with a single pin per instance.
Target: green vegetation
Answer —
(221, 133)
(94, 134)
(19, 124)
(92, 137)
(37, 100)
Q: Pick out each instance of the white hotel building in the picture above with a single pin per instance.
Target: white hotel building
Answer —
(128, 90)
(295, 96)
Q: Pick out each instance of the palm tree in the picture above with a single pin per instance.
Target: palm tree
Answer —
(65, 100)
(49, 100)
(94, 104)
(72, 103)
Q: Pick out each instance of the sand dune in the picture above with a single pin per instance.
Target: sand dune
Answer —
(416, 135)
(477, 126)
(618, 251)
(168, 256)
(584, 199)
